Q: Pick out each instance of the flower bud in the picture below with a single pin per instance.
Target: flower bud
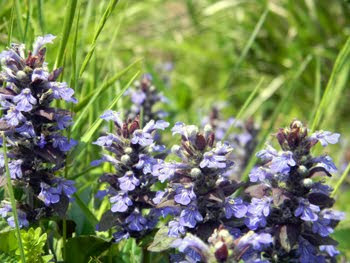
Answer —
(195, 172)
(21, 75)
(302, 170)
(307, 182)
(128, 150)
(125, 159)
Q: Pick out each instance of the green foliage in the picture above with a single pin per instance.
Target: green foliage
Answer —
(85, 249)
(33, 244)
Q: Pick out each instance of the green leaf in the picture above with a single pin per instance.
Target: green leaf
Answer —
(8, 241)
(161, 240)
(83, 248)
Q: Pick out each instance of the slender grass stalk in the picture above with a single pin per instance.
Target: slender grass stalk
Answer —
(340, 62)
(87, 100)
(12, 198)
(317, 88)
(40, 16)
(10, 31)
(88, 214)
(88, 135)
(341, 180)
(103, 20)
(64, 237)
(67, 25)
(243, 108)
(17, 7)
(29, 14)
(247, 48)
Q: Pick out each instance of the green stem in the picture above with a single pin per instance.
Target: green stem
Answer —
(64, 238)
(341, 180)
(12, 198)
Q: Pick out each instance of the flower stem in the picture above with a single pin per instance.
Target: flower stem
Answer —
(12, 198)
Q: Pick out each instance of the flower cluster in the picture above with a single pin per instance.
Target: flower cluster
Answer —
(198, 191)
(144, 97)
(33, 130)
(291, 202)
(134, 155)
(241, 135)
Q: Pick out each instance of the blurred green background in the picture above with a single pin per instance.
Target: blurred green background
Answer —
(201, 53)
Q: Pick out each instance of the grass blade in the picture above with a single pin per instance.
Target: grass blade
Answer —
(89, 215)
(88, 135)
(106, 15)
(12, 198)
(341, 180)
(67, 25)
(17, 6)
(40, 16)
(104, 87)
(243, 108)
(247, 48)
(340, 63)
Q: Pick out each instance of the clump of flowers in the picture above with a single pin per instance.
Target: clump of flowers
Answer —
(291, 201)
(241, 135)
(33, 130)
(133, 153)
(198, 190)
(145, 97)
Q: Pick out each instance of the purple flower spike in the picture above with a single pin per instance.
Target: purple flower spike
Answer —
(256, 241)
(142, 138)
(321, 226)
(235, 207)
(63, 143)
(15, 169)
(107, 140)
(327, 163)
(40, 75)
(307, 211)
(212, 160)
(331, 250)
(175, 229)
(110, 115)
(63, 121)
(184, 195)
(138, 97)
(49, 195)
(128, 182)
(26, 130)
(325, 137)
(282, 163)
(41, 41)
(24, 100)
(259, 174)
(120, 202)
(190, 216)
(145, 163)
(22, 220)
(260, 207)
(159, 196)
(136, 222)
(60, 90)
(163, 171)
(14, 117)
(267, 154)
(119, 236)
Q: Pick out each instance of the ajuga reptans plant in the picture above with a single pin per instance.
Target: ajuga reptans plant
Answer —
(291, 201)
(198, 191)
(33, 129)
(133, 154)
